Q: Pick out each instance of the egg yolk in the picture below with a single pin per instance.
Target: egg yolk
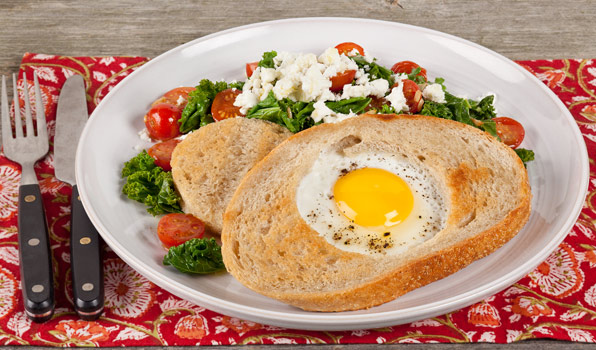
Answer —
(373, 197)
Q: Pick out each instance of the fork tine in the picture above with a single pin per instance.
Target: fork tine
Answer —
(28, 116)
(42, 130)
(6, 127)
(18, 125)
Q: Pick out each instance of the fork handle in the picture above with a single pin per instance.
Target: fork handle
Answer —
(34, 253)
(85, 262)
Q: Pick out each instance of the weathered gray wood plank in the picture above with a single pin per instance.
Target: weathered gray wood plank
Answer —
(516, 29)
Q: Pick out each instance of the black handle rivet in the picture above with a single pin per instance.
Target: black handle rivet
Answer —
(38, 288)
(33, 242)
(29, 198)
(87, 287)
(85, 240)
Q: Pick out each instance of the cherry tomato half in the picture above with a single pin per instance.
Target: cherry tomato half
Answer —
(510, 131)
(413, 96)
(223, 105)
(177, 228)
(162, 153)
(406, 67)
(250, 68)
(340, 79)
(177, 96)
(347, 48)
(162, 121)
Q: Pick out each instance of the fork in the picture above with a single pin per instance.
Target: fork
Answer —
(34, 248)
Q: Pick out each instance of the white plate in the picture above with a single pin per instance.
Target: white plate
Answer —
(558, 176)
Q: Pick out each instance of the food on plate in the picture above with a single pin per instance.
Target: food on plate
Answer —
(319, 235)
(228, 127)
(176, 228)
(197, 255)
(208, 164)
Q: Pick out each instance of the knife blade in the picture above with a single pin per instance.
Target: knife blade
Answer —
(85, 244)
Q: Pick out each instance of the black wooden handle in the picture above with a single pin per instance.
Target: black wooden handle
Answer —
(34, 252)
(86, 263)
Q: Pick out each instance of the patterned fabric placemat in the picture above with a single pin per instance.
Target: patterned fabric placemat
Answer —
(556, 300)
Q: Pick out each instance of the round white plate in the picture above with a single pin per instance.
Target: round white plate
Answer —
(558, 176)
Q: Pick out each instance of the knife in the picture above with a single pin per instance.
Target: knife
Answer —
(85, 244)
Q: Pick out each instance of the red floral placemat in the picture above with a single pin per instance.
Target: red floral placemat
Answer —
(556, 300)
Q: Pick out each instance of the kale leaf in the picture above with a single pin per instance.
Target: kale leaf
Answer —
(354, 105)
(293, 115)
(267, 60)
(525, 155)
(151, 185)
(373, 69)
(197, 112)
(198, 255)
(475, 113)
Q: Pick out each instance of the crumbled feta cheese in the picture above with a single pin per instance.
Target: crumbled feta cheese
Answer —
(367, 57)
(246, 100)
(144, 135)
(377, 88)
(268, 75)
(321, 111)
(180, 100)
(306, 77)
(397, 99)
(324, 113)
(434, 92)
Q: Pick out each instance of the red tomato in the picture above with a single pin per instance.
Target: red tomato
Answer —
(177, 228)
(250, 68)
(406, 67)
(340, 79)
(162, 153)
(347, 48)
(173, 97)
(413, 96)
(510, 131)
(223, 105)
(162, 121)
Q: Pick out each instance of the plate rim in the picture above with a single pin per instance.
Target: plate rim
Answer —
(342, 321)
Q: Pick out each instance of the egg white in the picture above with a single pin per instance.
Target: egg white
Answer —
(314, 198)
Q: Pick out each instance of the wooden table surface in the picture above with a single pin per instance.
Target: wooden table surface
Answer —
(537, 29)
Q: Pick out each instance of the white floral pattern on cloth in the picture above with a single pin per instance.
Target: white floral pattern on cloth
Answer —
(559, 275)
(556, 300)
(127, 293)
(10, 176)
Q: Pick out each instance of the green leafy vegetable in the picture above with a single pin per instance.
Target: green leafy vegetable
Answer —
(475, 113)
(198, 255)
(525, 155)
(267, 60)
(374, 70)
(387, 109)
(413, 76)
(197, 112)
(293, 115)
(151, 185)
(354, 105)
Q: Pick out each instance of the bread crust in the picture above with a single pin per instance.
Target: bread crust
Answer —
(208, 164)
(270, 249)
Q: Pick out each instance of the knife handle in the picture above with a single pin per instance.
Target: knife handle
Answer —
(85, 261)
(35, 255)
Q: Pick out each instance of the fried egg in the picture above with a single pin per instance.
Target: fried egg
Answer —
(371, 203)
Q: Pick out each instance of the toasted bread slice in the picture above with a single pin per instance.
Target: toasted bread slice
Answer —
(208, 164)
(270, 248)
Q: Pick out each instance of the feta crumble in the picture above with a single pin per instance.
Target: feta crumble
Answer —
(434, 92)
